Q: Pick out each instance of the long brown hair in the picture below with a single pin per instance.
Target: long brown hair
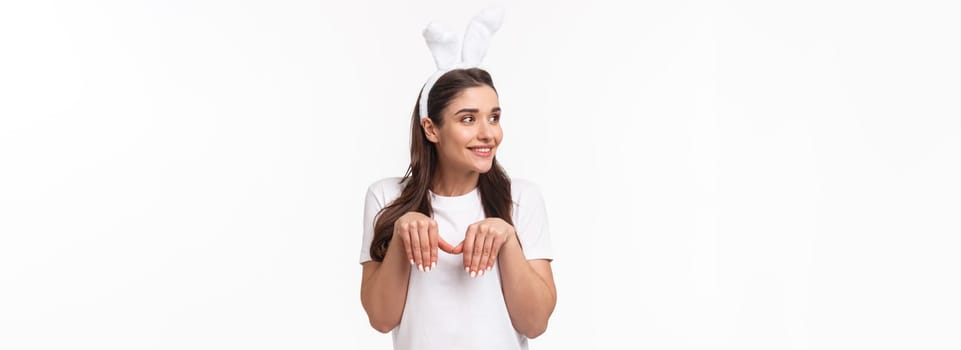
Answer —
(494, 186)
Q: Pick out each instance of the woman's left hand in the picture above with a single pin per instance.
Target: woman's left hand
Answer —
(483, 241)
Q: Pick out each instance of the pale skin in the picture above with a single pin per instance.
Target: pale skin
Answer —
(471, 124)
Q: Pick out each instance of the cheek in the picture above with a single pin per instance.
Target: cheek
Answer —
(463, 139)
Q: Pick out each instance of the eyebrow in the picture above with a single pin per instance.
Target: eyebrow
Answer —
(475, 110)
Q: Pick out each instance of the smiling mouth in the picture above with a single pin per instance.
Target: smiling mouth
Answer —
(483, 151)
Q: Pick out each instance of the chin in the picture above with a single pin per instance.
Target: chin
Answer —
(485, 169)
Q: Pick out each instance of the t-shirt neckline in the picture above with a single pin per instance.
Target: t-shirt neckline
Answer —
(456, 201)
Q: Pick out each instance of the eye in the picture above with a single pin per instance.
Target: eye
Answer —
(467, 119)
(495, 118)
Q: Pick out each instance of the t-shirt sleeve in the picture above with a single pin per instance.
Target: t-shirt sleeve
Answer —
(372, 205)
(530, 222)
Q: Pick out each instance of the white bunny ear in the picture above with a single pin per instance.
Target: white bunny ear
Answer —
(448, 52)
(443, 45)
(478, 35)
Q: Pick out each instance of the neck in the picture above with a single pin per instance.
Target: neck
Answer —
(450, 184)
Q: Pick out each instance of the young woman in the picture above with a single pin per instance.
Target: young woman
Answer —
(455, 254)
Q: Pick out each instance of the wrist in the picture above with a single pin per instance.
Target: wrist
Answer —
(512, 239)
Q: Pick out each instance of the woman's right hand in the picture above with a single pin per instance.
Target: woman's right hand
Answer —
(418, 232)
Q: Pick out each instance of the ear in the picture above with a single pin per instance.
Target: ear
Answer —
(430, 131)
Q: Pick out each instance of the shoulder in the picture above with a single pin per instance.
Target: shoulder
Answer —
(386, 189)
(522, 185)
(387, 183)
(523, 190)
(529, 209)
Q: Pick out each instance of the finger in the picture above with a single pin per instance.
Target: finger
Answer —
(405, 239)
(424, 233)
(432, 231)
(495, 249)
(469, 247)
(485, 254)
(478, 248)
(415, 246)
(443, 245)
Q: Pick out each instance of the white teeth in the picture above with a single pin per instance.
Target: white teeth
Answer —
(484, 150)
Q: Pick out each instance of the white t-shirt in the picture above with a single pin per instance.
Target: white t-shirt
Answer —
(446, 308)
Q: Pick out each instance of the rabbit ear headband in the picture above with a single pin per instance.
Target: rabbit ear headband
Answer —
(448, 52)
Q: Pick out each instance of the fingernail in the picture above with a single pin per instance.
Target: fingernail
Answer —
(420, 267)
(473, 274)
(482, 272)
(466, 269)
(490, 267)
(433, 264)
(411, 261)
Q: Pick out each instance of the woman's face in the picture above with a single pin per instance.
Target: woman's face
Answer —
(471, 131)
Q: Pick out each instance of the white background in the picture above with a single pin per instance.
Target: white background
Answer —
(718, 175)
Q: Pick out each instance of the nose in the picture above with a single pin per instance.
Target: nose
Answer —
(485, 131)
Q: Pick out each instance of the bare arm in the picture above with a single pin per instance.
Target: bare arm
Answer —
(383, 290)
(528, 287)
